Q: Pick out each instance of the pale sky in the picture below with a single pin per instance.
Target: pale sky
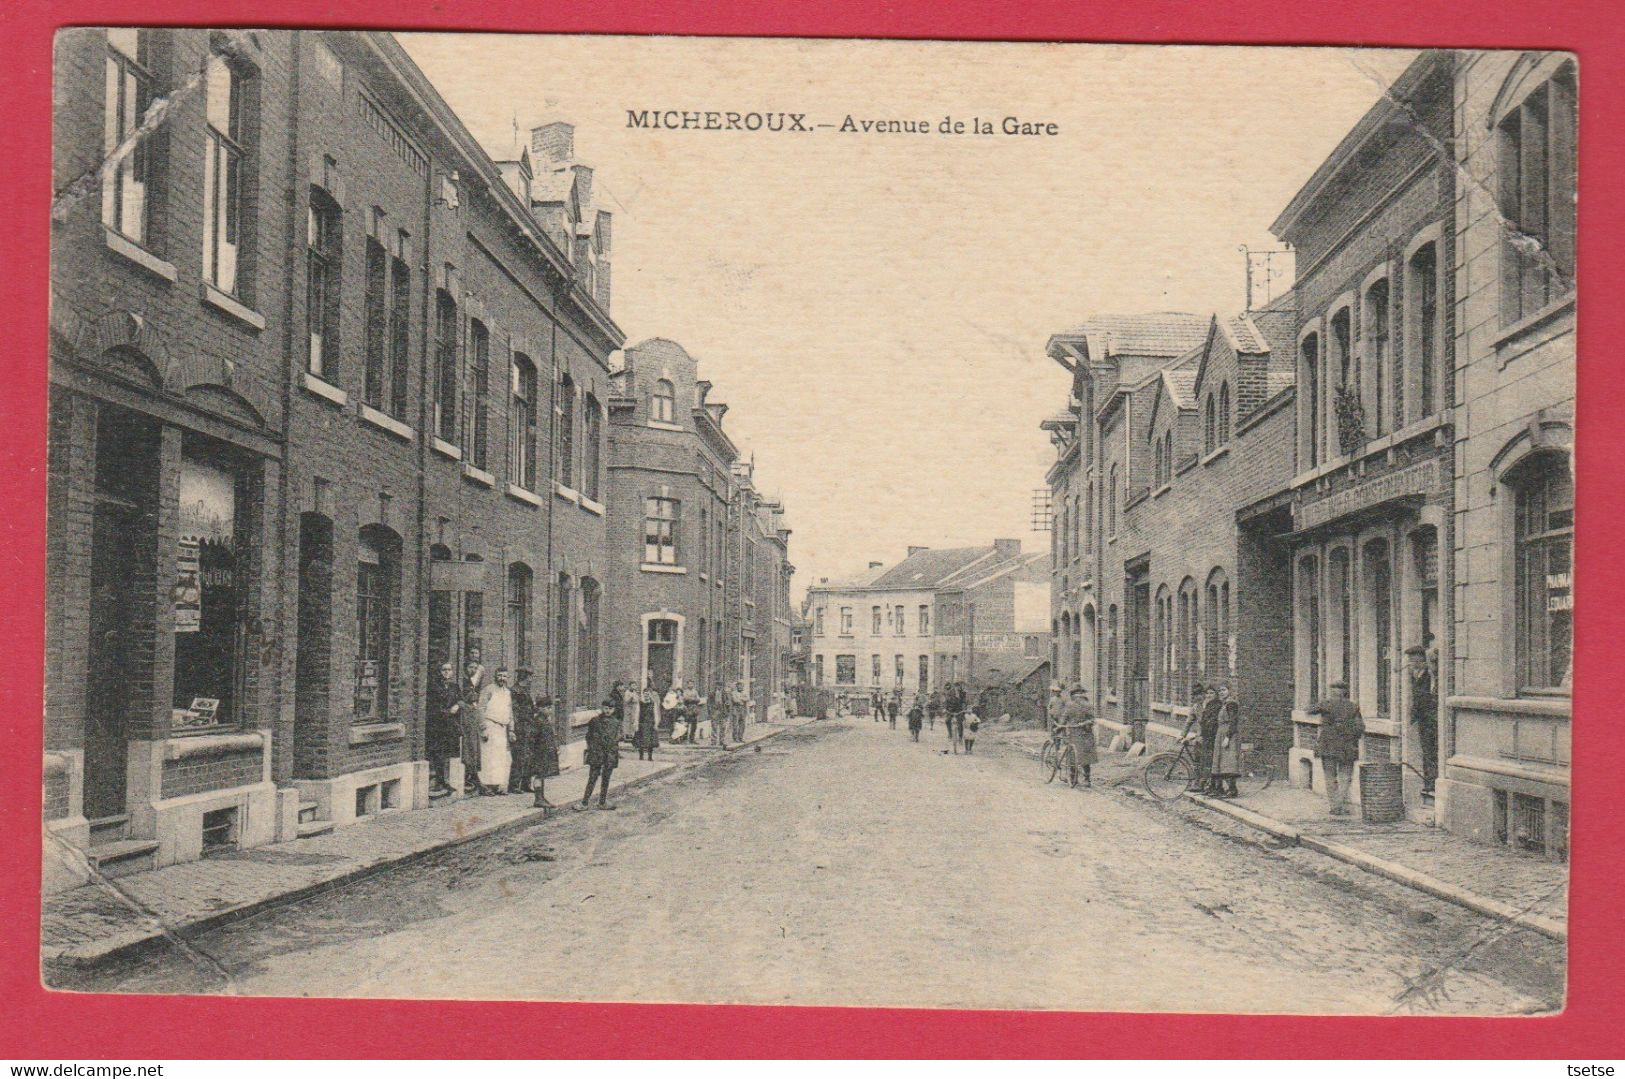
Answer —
(874, 307)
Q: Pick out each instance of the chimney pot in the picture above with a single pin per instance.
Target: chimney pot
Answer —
(912, 551)
(876, 565)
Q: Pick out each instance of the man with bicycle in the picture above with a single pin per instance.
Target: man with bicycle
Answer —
(1078, 724)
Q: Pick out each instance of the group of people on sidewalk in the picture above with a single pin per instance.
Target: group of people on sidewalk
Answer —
(681, 713)
(1217, 740)
(504, 734)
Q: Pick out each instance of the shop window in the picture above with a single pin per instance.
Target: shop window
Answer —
(522, 423)
(1425, 563)
(1536, 143)
(207, 595)
(846, 670)
(323, 258)
(1544, 542)
(1340, 624)
(377, 585)
(446, 366)
(126, 193)
(660, 517)
(479, 390)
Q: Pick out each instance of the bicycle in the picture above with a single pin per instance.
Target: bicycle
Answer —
(1171, 773)
(1059, 754)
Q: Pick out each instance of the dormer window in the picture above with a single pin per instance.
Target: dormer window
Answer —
(662, 404)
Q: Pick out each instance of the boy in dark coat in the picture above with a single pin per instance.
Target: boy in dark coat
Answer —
(603, 754)
(916, 720)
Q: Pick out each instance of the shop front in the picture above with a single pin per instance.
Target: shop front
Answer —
(1366, 588)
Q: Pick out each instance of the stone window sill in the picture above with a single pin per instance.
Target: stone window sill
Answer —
(446, 449)
(1376, 446)
(1160, 491)
(594, 508)
(662, 425)
(478, 475)
(1215, 455)
(387, 422)
(365, 733)
(326, 390)
(655, 567)
(230, 305)
(520, 494)
(1508, 340)
(569, 494)
(211, 742)
(139, 255)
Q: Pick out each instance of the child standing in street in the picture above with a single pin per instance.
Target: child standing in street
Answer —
(916, 720)
(973, 722)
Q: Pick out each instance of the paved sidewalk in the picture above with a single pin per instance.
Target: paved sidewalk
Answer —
(105, 918)
(1526, 889)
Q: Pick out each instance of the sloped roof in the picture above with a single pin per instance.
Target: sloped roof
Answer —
(1276, 381)
(552, 186)
(1244, 335)
(863, 579)
(1155, 333)
(1181, 383)
(985, 572)
(928, 568)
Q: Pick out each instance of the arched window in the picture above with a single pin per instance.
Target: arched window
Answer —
(376, 593)
(1377, 567)
(564, 419)
(446, 353)
(1210, 429)
(1339, 615)
(1543, 537)
(1224, 414)
(586, 619)
(591, 440)
(1217, 627)
(1313, 434)
(1309, 629)
(1089, 517)
(662, 405)
(563, 617)
(323, 257)
(1187, 655)
(1111, 505)
(1535, 144)
(1111, 650)
(519, 615)
(1379, 352)
(1161, 646)
(479, 391)
(1422, 329)
(522, 424)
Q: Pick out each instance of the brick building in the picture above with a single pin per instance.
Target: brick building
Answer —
(992, 617)
(302, 326)
(1505, 733)
(1371, 499)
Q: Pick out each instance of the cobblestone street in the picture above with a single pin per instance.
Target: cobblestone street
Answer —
(843, 864)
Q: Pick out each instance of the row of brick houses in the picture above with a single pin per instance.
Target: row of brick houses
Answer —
(331, 392)
(970, 614)
(1379, 459)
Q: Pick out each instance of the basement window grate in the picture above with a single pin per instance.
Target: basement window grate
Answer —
(220, 830)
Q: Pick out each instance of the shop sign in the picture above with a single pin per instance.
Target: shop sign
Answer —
(1559, 595)
(208, 503)
(1417, 479)
(998, 642)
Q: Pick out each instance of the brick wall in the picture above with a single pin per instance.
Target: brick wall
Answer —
(210, 772)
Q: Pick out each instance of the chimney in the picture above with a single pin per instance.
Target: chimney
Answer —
(823, 580)
(554, 143)
(876, 565)
(912, 551)
(1006, 549)
(583, 184)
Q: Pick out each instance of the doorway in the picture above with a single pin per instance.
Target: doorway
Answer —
(1138, 712)
(660, 653)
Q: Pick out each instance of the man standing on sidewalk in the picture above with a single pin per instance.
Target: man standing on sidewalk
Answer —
(603, 754)
(1340, 731)
(736, 710)
(1424, 710)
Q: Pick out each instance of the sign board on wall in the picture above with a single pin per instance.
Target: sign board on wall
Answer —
(1418, 479)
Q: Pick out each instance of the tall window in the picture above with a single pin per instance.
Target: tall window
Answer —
(1162, 645)
(846, 670)
(662, 405)
(479, 388)
(225, 157)
(846, 621)
(901, 622)
(377, 310)
(874, 629)
(1340, 643)
(1217, 632)
(1536, 165)
(1422, 280)
(400, 321)
(1089, 516)
(1544, 527)
(1210, 426)
(660, 517)
(591, 437)
(705, 540)
(522, 424)
(925, 673)
(564, 418)
(322, 261)
(897, 669)
(1309, 620)
(1376, 562)
(1379, 351)
(874, 669)
(1111, 650)
(818, 622)
(519, 614)
(1189, 653)
(446, 366)
(925, 620)
(1224, 414)
(587, 637)
(1343, 359)
(1309, 381)
(374, 603)
(1111, 503)
(129, 92)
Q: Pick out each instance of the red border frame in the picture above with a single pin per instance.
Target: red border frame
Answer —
(40, 1024)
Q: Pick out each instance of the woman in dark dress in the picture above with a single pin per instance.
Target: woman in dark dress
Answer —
(648, 736)
(544, 749)
(1227, 745)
